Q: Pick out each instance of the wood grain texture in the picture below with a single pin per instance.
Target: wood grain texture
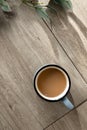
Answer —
(25, 45)
(71, 31)
(75, 120)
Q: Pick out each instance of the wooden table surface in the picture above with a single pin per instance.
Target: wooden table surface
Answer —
(27, 43)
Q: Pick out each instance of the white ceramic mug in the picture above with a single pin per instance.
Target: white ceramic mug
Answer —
(63, 95)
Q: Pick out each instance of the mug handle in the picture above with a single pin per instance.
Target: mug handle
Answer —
(67, 103)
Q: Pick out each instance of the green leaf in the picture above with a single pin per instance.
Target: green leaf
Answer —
(1, 2)
(5, 6)
(42, 12)
(64, 3)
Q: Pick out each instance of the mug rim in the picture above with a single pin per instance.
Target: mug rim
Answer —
(57, 66)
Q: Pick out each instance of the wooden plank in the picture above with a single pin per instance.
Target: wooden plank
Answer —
(14, 115)
(75, 120)
(25, 45)
(71, 31)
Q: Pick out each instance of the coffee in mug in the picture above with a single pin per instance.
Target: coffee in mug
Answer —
(52, 83)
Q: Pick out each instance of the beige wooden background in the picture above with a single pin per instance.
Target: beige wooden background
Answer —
(27, 43)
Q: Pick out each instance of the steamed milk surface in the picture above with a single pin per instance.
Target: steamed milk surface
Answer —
(51, 82)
